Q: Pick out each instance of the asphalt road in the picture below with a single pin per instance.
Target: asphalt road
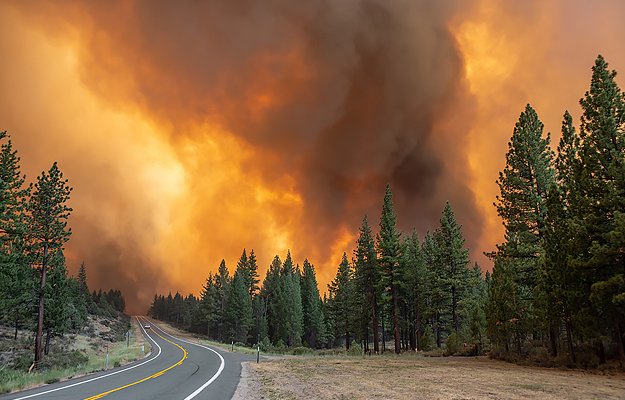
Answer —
(176, 369)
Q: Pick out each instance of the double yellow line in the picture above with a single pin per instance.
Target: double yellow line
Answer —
(99, 396)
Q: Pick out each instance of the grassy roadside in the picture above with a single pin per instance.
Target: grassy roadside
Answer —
(119, 354)
(414, 377)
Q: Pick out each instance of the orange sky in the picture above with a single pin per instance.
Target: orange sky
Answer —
(192, 130)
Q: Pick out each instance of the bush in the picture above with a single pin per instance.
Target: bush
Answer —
(299, 351)
(540, 357)
(497, 353)
(433, 353)
(265, 345)
(427, 339)
(451, 344)
(563, 361)
(354, 349)
(587, 360)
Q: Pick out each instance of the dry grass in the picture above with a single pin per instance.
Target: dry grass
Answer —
(411, 377)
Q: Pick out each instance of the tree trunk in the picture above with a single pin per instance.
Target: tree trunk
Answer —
(374, 315)
(600, 352)
(518, 341)
(16, 324)
(47, 348)
(569, 338)
(454, 306)
(383, 337)
(619, 341)
(395, 319)
(41, 297)
(553, 339)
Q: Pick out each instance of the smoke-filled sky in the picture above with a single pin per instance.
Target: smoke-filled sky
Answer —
(190, 130)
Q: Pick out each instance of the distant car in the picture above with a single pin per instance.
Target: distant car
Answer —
(147, 327)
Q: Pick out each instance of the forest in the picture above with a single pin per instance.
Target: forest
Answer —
(556, 295)
(36, 293)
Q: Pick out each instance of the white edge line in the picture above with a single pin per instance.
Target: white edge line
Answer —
(212, 379)
(102, 376)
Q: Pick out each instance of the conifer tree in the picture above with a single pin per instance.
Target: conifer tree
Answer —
(238, 313)
(16, 280)
(455, 259)
(286, 305)
(222, 288)
(47, 230)
(267, 293)
(416, 282)
(367, 276)
(253, 274)
(598, 201)
(388, 250)
(438, 298)
(340, 301)
(314, 327)
(208, 307)
(523, 184)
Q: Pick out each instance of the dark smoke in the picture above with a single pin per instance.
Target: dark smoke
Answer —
(344, 96)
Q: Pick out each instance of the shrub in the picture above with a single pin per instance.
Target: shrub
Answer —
(299, 351)
(563, 361)
(427, 339)
(265, 345)
(587, 360)
(451, 344)
(540, 357)
(354, 349)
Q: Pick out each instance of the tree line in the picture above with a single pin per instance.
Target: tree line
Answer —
(557, 280)
(35, 289)
(558, 275)
(395, 288)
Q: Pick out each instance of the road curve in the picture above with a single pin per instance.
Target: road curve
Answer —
(176, 369)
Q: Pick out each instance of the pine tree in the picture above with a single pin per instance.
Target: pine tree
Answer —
(253, 274)
(438, 297)
(598, 201)
(286, 305)
(388, 249)
(455, 259)
(222, 288)
(314, 327)
(16, 280)
(524, 185)
(340, 301)
(367, 276)
(416, 285)
(238, 313)
(208, 307)
(267, 293)
(47, 230)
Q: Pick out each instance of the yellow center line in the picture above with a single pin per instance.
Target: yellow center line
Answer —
(99, 396)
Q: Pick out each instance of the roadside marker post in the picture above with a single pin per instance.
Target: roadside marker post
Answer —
(258, 353)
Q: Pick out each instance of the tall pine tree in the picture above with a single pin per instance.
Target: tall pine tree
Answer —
(48, 231)
(388, 250)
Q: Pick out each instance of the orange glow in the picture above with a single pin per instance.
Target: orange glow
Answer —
(191, 131)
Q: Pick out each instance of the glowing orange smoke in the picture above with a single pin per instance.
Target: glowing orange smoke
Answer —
(192, 130)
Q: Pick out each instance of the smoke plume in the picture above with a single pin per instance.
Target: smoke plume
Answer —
(191, 130)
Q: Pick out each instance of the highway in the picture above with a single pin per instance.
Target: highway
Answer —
(176, 369)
